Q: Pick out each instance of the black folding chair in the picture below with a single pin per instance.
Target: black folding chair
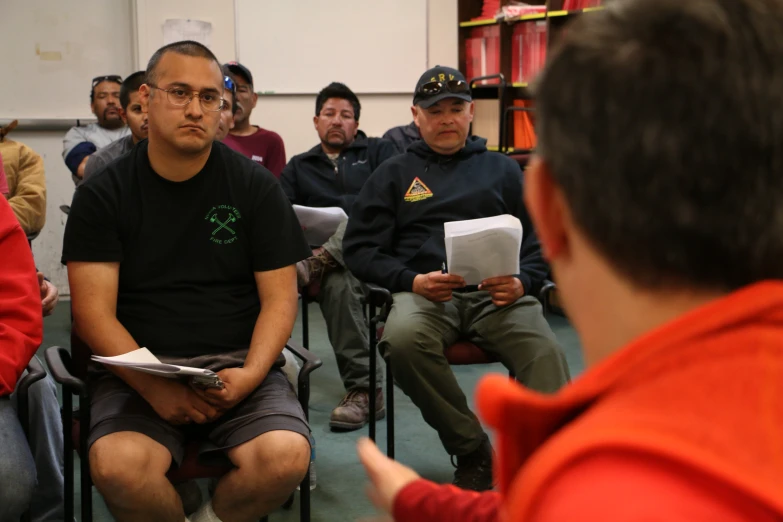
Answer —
(70, 369)
(460, 353)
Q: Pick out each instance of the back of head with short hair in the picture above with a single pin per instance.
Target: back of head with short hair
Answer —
(186, 48)
(337, 90)
(130, 85)
(661, 122)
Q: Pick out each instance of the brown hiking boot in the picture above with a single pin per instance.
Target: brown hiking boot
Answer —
(312, 269)
(474, 470)
(353, 412)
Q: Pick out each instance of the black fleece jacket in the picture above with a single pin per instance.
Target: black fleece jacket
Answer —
(312, 180)
(396, 226)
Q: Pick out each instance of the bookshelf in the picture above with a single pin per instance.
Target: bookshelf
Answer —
(514, 50)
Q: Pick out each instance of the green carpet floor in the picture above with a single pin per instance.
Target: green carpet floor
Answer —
(339, 495)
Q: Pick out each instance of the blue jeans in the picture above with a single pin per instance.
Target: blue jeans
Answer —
(17, 468)
(35, 470)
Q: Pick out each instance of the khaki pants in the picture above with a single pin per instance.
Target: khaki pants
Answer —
(417, 331)
(341, 304)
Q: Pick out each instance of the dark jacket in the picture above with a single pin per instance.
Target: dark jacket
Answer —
(311, 179)
(403, 135)
(396, 229)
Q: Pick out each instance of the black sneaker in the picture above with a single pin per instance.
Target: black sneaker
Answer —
(474, 470)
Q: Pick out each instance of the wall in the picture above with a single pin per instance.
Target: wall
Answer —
(290, 116)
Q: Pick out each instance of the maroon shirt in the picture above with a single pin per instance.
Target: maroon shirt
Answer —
(263, 146)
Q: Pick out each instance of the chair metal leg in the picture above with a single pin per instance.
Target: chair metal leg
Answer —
(389, 410)
(84, 432)
(373, 366)
(305, 324)
(67, 416)
(304, 487)
(304, 498)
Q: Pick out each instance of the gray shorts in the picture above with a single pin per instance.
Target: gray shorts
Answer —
(116, 407)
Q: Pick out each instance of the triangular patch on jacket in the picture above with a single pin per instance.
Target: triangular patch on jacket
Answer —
(417, 191)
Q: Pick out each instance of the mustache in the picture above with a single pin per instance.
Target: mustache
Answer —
(107, 109)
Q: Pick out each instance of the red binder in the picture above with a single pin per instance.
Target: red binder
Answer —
(571, 5)
(482, 53)
(528, 51)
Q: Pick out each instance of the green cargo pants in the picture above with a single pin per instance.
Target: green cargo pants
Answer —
(417, 331)
(340, 299)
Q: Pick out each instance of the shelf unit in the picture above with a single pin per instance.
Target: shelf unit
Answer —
(555, 19)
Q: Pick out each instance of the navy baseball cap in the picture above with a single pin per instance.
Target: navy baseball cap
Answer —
(440, 83)
(238, 68)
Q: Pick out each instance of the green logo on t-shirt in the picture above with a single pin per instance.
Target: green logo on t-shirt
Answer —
(222, 220)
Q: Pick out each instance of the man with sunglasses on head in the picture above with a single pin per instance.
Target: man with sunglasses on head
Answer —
(133, 115)
(261, 145)
(230, 106)
(171, 248)
(80, 142)
(395, 239)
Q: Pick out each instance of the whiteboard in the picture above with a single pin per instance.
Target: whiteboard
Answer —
(52, 49)
(300, 46)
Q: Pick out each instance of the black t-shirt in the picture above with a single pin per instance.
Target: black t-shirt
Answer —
(187, 250)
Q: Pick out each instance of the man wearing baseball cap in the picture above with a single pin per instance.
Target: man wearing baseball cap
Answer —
(395, 239)
(262, 146)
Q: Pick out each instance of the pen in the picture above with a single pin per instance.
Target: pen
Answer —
(443, 268)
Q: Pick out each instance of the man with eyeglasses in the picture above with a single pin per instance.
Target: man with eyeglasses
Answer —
(261, 145)
(230, 106)
(133, 115)
(80, 142)
(395, 239)
(171, 248)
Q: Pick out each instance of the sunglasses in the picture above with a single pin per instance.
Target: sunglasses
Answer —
(453, 86)
(109, 78)
(228, 83)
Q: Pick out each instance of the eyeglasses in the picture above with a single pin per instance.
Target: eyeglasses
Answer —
(452, 86)
(180, 97)
(110, 78)
(228, 83)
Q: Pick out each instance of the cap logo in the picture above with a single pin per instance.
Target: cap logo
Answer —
(441, 78)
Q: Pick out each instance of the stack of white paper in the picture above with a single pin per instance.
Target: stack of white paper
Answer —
(143, 361)
(478, 249)
(319, 224)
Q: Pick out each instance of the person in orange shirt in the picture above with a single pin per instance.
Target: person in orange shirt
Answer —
(664, 228)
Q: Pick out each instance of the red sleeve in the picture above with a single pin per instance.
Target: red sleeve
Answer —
(21, 317)
(428, 502)
(275, 154)
(631, 487)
